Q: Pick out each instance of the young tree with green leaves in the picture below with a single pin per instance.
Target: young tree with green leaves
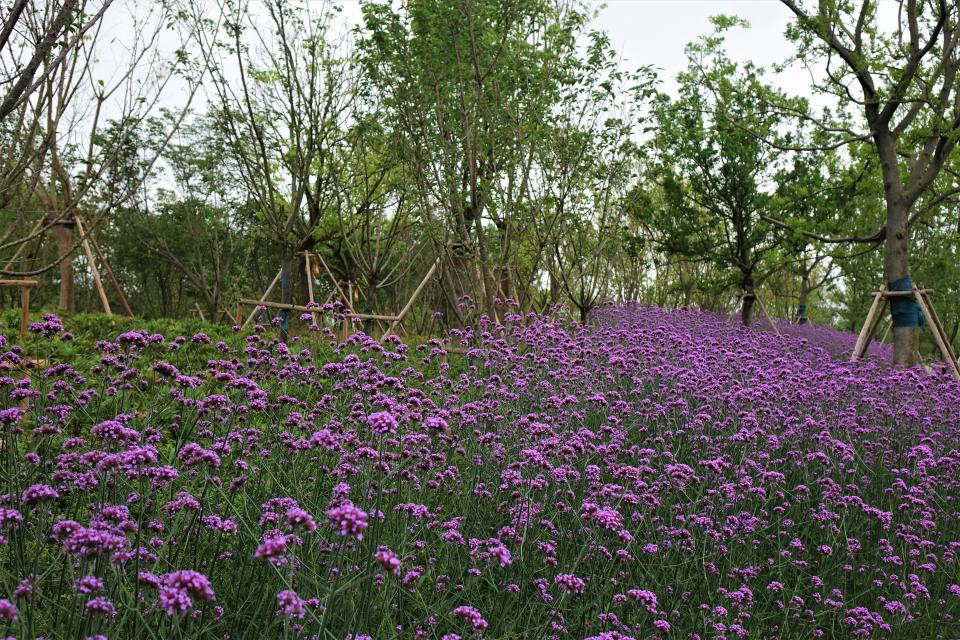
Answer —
(584, 172)
(467, 87)
(284, 90)
(716, 174)
(816, 198)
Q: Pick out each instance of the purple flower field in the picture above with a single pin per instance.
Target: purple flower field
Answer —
(657, 475)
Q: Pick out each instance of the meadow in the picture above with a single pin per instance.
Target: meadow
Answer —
(656, 474)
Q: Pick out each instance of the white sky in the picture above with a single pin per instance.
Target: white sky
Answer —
(655, 32)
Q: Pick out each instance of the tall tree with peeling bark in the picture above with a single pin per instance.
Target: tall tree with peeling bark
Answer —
(903, 82)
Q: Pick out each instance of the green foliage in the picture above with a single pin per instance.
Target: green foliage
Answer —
(714, 168)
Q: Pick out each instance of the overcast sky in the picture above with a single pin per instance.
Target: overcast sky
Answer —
(656, 31)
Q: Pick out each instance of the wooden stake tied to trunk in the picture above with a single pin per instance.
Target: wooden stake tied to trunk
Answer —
(94, 272)
(413, 298)
(870, 324)
(336, 283)
(921, 295)
(263, 298)
(298, 307)
(308, 272)
(92, 252)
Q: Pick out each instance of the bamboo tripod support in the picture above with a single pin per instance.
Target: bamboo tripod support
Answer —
(413, 298)
(347, 296)
(875, 315)
(309, 274)
(91, 247)
(263, 298)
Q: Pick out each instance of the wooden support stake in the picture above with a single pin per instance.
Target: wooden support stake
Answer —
(309, 274)
(903, 294)
(765, 314)
(93, 269)
(939, 325)
(413, 298)
(346, 299)
(373, 316)
(861, 345)
(6, 282)
(347, 324)
(24, 311)
(877, 321)
(937, 336)
(265, 295)
(113, 278)
(199, 311)
(298, 307)
(886, 331)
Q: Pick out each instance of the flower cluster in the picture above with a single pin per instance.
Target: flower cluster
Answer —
(655, 475)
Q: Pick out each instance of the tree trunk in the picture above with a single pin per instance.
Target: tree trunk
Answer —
(507, 286)
(896, 269)
(303, 288)
(463, 280)
(749, 297)
(179, 303)
(163, 290)
(904, 312)
(213, 305)
(555, 291)
(746, 308)
(67, 300)
(370, 301)
(804, 295)
(584, 315)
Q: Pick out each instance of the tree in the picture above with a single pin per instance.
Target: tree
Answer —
(374, 240)
(467, 87)
(817, 195)
(35, 41)
(903, 82)
(200, 223)
(714, 171)
(65, 152)
(284, 94)
(585, 169)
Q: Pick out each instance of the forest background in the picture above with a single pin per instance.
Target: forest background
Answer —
(192, 152)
